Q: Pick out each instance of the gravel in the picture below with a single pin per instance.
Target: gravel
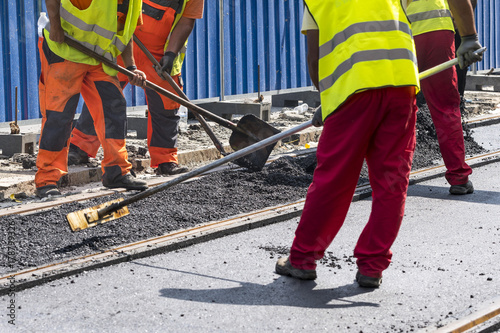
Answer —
(45, 237)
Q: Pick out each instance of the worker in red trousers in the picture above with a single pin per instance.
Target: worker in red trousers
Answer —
(365, 67)
(434, 36)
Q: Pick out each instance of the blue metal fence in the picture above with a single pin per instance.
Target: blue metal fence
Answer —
(262, 49)
(488, 28)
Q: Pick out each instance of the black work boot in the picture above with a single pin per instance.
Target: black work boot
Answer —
(47, 190)
(466, 188)
(127, 181)
(367, 281)
(77, 156)
(284, 267)
(170, 168)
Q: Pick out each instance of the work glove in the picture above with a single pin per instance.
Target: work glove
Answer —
(167, 61)
(317, 120)
(465, 52)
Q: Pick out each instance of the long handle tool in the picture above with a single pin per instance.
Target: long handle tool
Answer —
(249, 129)
(166, 76)
(111, 210)
(90, 217)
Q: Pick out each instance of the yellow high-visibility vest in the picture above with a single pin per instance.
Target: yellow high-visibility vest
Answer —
(429, 15)
(177, 66)
(362, 45)
(95, 28)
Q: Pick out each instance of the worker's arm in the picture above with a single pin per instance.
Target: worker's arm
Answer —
(56, 31)
(464, 16)
(313, 55)
(313, 61)
(139, 78)
(464, 19)
(179, 36)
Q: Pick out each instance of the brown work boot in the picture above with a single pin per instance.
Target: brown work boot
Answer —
(466, 188)
(128, 182)
(284, 267)
(367, 281)
(47, 190)
(77, 156)
(170, 168)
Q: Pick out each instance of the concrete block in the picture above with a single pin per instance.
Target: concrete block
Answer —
(138, 124)
(292, 99)
(226, 109)
(480, 82)
(11, 144)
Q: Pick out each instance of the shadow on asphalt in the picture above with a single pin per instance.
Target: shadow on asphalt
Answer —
(282, 291)
(441, 192)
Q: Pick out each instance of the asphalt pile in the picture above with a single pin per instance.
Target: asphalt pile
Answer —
(46, 237)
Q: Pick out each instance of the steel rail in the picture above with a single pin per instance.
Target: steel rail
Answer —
(41, 206)
(181, 238)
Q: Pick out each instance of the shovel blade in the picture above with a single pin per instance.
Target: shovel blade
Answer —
(251, 124)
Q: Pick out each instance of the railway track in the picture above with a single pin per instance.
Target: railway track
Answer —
(183, 238)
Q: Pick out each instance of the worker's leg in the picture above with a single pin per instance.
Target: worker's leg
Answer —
(83, 135)
(389, 160)
(59, 92)
(341, 150)
(443, 99)
(108, 110)
(163, 117)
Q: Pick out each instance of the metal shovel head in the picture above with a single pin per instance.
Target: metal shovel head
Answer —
(251, 124)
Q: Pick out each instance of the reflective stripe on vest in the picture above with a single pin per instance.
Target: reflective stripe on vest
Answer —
(430, 15)
(362, 50)
(95, 28)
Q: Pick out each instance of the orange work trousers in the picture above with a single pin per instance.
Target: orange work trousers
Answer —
(61, 83)
(163, 116)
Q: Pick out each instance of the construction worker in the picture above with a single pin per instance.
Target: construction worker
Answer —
(67, 72)
(166, 28)
(434, 36)
(365, 67)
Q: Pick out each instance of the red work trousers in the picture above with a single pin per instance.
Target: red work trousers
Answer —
(441, 93)
(163, 117)
(61, 82)
(378, 125)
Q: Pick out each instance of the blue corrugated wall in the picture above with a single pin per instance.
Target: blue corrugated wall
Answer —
(488, 28)
(257, 34)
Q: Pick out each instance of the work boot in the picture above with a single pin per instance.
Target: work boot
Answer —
(170, 168)
(128, 182)
(466, 188)
(284, 267)
(77, 156)
(367, 281)
(47, 190)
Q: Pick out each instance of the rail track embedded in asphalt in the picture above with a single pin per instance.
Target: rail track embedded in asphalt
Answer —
(182, 238)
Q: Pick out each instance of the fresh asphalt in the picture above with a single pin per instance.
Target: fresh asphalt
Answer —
(445, 266)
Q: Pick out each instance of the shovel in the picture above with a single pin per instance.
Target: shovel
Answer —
(111, 210)
(166, 76)
(250, 129)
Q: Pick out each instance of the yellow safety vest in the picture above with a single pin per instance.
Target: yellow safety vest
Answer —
(177, 66)
(362, 49)
(429, 15)
(95, 28)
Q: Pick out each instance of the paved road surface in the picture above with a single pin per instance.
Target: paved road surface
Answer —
(445, 266)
